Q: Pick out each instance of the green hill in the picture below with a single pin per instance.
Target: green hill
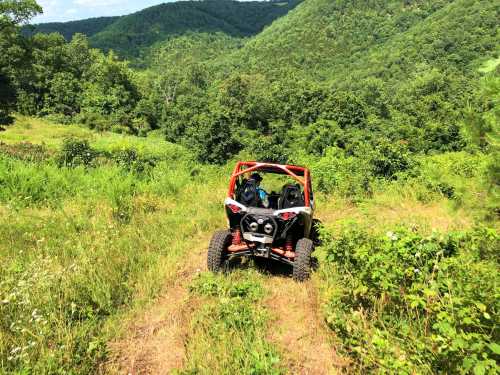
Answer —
(346, 40)
(191, 48)
(131, 34)
(88, 27)
(402, 70)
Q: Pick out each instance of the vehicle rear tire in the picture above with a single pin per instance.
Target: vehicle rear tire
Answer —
(217, 250)
(302, 262)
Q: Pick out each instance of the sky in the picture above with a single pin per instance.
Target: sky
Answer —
(69, 10)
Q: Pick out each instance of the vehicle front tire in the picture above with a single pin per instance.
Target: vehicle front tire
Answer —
(217, 250)
(302, 262)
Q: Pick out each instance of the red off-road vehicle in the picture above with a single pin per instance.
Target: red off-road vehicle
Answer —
(275, 226)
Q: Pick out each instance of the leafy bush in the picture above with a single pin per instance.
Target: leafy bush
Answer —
(130, 160)
(346, 109)
(94, 121)
(266, 150)
(347, 176)
(389, 158)
(212, 139)
(75, 152)
(411, 303)
(317, 137)
(273, 147)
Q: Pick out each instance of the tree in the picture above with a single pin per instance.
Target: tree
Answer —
(63, 96)
(238, 101)
(212, 139)
(389, 158)
(16, 12)
(483, 124)
(12, 13)
(7, 98)
(317, 137)
(108, 87)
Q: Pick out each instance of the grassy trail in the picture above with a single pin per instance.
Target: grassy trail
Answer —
(297, 327)
(157, 340)
(154, 340)
(166, 337)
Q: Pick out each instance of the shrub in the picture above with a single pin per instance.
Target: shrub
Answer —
(346, 109)
(130, 160)
(59, 118)
(412, 303)
(272, 147)
(348, 176)
(76, 152)
(212, 139)
(264, 149)
(390, 158)
(94, 121)
(317, 137)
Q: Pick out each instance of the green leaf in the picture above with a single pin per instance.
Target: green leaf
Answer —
(459, 343)
(467, 320)
(430, 293)
(479, 369)
(494, 347)
(480, 306)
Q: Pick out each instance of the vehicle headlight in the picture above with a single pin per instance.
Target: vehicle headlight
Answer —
(268, 228)
(254, 226)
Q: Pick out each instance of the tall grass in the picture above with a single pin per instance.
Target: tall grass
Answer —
(81, 246)
(78, 246)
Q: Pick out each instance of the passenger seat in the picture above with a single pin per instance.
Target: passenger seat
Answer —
(291, 196)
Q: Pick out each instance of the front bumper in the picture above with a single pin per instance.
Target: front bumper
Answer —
(258, 237)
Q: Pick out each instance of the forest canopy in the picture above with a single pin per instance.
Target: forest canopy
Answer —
(337, 74)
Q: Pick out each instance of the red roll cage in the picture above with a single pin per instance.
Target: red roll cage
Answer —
(299, 174)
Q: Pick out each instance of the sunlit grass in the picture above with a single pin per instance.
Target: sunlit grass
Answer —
(489, 65)
(39, 131)
(227, 334)
(83, 247)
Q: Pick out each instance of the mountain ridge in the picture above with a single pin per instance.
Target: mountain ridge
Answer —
(130, 35)
(88, 26)
(345, 34)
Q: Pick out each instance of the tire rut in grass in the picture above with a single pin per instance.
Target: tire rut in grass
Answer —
(227, 334)
(296, 327)
(155, 340)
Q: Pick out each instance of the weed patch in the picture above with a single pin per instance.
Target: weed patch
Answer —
(227, 334)
(411, 303)
(25, 151)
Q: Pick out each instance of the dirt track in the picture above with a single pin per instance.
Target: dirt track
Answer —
(296, 327)
(155, 341)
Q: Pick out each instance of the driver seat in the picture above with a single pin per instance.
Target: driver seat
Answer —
(247, 194)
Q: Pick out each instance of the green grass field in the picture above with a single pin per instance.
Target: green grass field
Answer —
(92, 257)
